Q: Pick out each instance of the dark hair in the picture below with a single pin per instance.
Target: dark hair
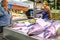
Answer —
(28, 13)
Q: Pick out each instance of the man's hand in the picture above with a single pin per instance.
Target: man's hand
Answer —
(40, 15)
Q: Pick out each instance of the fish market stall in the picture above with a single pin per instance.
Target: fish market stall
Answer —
(32, 31)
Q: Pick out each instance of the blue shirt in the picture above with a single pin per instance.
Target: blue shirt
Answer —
(4, 17)
(44, 14)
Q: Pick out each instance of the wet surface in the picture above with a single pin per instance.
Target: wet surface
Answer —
(1, 36)
(56, 38)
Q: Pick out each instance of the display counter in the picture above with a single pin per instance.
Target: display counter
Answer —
(55, 14)
(11, 34)
(55, 11)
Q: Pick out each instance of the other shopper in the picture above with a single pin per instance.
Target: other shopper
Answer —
(45, 13)
(4, 15)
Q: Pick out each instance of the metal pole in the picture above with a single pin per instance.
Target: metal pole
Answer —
(35, 9)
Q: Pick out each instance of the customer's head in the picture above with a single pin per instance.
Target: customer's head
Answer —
(4, 4)
(45, 4)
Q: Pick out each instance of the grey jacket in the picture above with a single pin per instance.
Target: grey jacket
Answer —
(4, 17)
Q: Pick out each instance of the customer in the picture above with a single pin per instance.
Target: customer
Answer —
(4, 16)
(45, 13)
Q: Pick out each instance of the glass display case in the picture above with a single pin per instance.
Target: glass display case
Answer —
(17, 9)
